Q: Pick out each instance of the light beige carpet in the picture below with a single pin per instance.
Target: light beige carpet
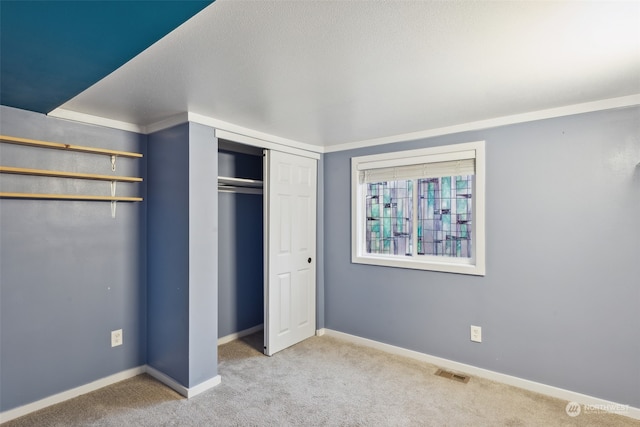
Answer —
(322, 381)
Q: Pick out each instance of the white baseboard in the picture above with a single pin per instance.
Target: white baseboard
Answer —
(233, 337)
(571, 396)
(204, 386)
(187, 392)
(548, 390)
(20, 411)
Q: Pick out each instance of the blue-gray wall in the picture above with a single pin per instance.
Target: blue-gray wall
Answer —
(203, 254)
(69, 272)
(560, 303)
(168, 252)
(182, 252)
(240, 248)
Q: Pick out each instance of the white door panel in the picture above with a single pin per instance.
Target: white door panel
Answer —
(290, 224)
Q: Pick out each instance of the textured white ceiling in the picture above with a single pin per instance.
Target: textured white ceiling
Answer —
(332, 72)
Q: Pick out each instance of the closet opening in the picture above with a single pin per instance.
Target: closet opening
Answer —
(240, 242)
(267, 199)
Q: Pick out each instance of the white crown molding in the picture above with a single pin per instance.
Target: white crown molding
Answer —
(545, 389)
(587, 107)
(265, 144)
(237, 133)
(167, 123)
(241, 130)
(61, 113)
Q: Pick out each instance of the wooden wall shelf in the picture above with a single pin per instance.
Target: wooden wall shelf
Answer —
(68, 197)
(73, 175)
(70, 147)
(60, 174)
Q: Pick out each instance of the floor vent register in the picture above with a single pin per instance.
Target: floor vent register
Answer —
(453, 376)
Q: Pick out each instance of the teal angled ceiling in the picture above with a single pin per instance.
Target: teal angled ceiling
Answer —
(52, 50)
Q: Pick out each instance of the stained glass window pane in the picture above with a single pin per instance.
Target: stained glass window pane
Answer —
(444, 216)
(389, 217)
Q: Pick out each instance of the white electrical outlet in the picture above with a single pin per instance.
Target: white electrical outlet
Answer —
(476, 333)
(116, 338)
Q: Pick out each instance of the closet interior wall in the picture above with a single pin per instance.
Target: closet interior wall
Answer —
(241, 251)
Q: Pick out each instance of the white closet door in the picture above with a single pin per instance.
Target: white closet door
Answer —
(290, 243)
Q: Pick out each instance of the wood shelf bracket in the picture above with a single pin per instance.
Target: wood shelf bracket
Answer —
(113, 192)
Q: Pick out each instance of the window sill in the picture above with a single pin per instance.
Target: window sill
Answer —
(398, 262)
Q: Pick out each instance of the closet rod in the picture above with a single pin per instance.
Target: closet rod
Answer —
(239, 182)
(241, 190)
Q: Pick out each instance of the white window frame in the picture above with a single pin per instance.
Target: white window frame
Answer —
(474, 265)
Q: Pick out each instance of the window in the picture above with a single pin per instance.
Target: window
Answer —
(421, 209)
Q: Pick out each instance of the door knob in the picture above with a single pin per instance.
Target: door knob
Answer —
(309, 260)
